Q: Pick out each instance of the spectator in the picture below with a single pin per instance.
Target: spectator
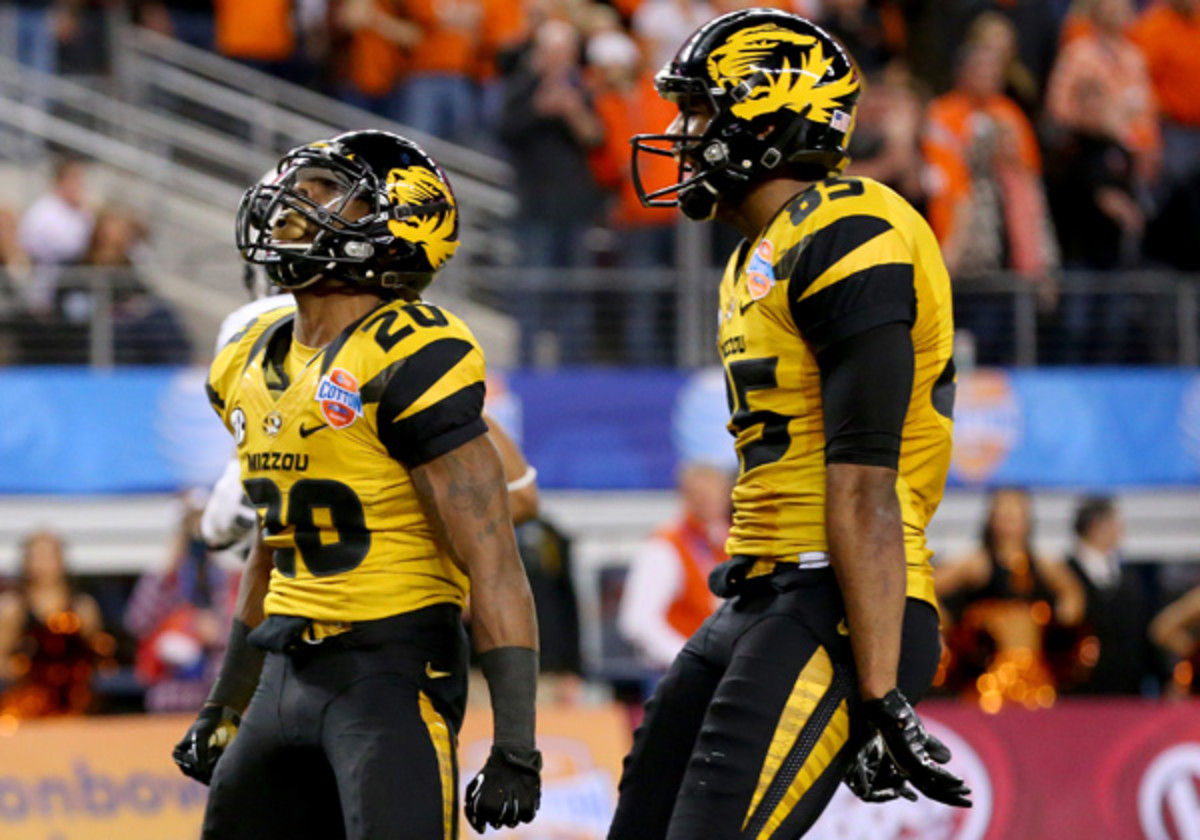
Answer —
(1091, 187)
(180, 616)
(1004, 594)
(1107, 59)
(55, 230)
(48, 633)
(886, 141)
(1117, 614)
(261, 34)
(859, 25)
(1177, 629)
(1168, 33)
(41, 25)
(662, 25)
(993, 30)
(986, 204)
(627, 104)
(380, 37)
(666, 596)
(440, 96)
(146, 330)
(549, 128)
(13, 262)
(189, 21)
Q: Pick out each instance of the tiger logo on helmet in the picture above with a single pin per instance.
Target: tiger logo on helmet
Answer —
(780, 94)
(435, 232)
(388, 218)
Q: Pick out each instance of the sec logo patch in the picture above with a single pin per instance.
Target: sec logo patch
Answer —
(238, 421)
(338, 394)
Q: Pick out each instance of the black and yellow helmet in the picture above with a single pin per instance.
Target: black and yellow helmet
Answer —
(408, 232)
(782, 94)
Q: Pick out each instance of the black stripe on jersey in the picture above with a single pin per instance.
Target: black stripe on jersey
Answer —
(214, 397)
(944, 388)
(402, 383)
(817, 253)
(445, 425)
(334, 347)
(869, 298)
(267, 335)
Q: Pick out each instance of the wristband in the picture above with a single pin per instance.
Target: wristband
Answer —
(239, 672)
(511, 674)
(527, 478)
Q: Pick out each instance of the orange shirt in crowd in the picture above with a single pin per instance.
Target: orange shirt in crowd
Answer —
(1171, 44)
(453, 35)
(638, 111)
(695, 602)
(1015, 167)
(374, 63)
(948, 136)
(505, 25)
(257, 31)
(1118, 67)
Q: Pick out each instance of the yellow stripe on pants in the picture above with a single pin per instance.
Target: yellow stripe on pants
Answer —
(832, 739)
(439, 734)
(815, 678)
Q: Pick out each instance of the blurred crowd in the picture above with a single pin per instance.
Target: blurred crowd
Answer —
(65, 260)
(1021, 627)
(1036, 135)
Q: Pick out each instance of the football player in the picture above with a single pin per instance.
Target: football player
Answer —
(835, 332)
(357, 417)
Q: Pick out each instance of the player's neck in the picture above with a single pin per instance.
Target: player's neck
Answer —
(761, 204)
(320, 318)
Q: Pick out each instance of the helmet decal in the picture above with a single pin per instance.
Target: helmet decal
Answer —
(793, 66)
(378, 213)
(781, 95)
(435, 232)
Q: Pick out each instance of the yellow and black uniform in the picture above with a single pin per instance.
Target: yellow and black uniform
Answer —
(835, 330)
(351, 730)
(847, 255)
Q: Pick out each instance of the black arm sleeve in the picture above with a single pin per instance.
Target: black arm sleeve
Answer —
(866, 385)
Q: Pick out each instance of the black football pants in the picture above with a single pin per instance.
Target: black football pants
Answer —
(754, 725)
(351, 738)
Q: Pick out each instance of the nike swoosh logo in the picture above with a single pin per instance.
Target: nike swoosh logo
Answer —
(435, 675)
(842, 629)
(742, 309)
(306, 432)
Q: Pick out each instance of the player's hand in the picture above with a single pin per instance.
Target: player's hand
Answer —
(916, 753)
(507, 791)
(874, 777)
(205, 742)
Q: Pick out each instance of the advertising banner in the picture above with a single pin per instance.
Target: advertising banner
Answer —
(1124, 770)
(138, 430)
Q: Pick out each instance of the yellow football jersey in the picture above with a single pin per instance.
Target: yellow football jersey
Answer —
(846, 255)
(326, 440)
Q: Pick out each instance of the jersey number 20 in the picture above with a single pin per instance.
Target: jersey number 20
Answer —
(305, 498)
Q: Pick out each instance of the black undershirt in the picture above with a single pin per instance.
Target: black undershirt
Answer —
(866, 386)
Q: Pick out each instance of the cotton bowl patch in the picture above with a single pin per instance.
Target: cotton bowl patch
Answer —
(341, 402)
(760, 274)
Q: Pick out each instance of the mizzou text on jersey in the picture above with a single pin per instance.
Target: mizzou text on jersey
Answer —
(326, 438)
(844, 256)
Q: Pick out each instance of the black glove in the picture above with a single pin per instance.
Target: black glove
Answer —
(874, 777)
(205, 742)
(915, 752)
(507, 791)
